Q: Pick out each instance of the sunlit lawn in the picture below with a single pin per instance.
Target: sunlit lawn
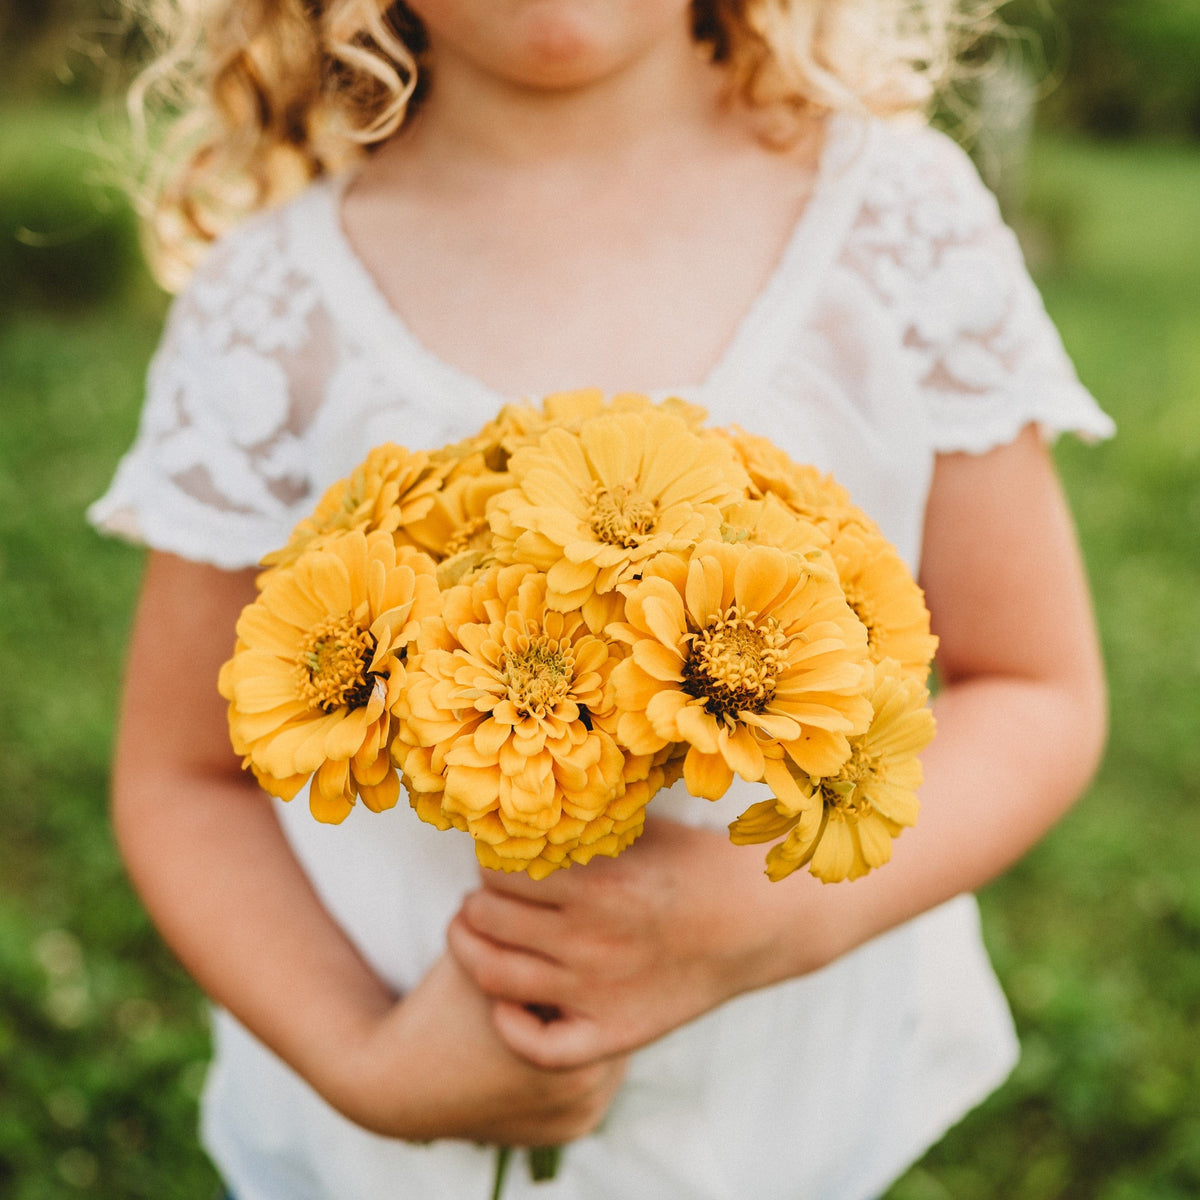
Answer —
(1096, 935)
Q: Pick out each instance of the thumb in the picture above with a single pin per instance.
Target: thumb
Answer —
(569, 1041)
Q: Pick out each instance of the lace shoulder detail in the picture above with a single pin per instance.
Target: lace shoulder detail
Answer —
(929, 241)
(217, 471)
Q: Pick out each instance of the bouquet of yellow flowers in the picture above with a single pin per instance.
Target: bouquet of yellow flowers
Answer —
(537, 629)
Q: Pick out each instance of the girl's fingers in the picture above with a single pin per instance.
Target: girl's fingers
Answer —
(510, 921)
(504, 972)
(547, 892)
(572, 1041)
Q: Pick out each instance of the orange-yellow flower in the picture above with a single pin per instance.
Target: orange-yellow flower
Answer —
(885, 597)
(592, 508)
(319, 665)
(570, 409)
(748, 655)
(455, 531)
(877, 583)
(517, 425)
(842, 825)
(390, 488)
(772, 472)
(506, 728)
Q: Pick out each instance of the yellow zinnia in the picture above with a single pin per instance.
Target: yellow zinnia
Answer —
(885, 597)
(455, 531)
(772, 472)
(570, 409)
(390, 488)
(517, 425)
(506, 728)
(592, 508)
(746, 654)
(318, 666)
(842, 825)
(490, 449)
(769, 522)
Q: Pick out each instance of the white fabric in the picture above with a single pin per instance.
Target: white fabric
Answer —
(899, 322)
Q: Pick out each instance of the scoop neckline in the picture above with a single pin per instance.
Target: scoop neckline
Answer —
(354, 297)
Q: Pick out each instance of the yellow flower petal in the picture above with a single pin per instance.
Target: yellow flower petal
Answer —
(705, 589)
(381, 796)
(741, 751)
(834, 857)
(658, 661)
(760, 575)
(694, 725)
(706, 775)
(761, 822)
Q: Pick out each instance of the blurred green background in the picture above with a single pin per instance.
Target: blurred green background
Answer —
(1096, 934)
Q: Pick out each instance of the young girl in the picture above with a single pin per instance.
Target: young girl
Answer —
(463, 202)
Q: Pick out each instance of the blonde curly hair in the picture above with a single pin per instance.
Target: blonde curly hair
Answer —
(254, 98)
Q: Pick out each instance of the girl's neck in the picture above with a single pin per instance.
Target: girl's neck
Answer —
(475, 121)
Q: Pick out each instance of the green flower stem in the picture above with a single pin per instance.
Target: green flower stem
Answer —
(543, 1165)
(503, 1158)
(543, 1162)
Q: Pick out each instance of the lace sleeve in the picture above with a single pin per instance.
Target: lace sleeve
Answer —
(217, 472)
(931, 243)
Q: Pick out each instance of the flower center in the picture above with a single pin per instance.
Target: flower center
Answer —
(352, 498)
(474, 534)
(621, 516)
(332, 665)
(539, 677)
(861, 608)
(841, 791)
(733, 663)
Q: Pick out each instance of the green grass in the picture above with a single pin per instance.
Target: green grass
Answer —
(1096, 935)
(102, 1040)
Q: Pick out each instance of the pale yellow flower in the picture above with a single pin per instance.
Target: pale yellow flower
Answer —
(747, 654)
(593, 508)
(318, 666)
(769, 522)
(842, 825)
(506, 728)
(389, 489)
(490, 449)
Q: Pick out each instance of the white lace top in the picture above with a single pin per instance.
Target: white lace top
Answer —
(899, 322)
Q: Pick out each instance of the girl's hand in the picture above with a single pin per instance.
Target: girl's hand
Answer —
(434, 1066)
(626, 949)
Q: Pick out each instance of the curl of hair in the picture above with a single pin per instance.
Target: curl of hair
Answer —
(251, 99)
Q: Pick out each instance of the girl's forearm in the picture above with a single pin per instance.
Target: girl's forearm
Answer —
(1010, 757)
(227, 894)
(201, 841)
(212, 866)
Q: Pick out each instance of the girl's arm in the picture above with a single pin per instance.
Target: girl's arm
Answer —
(209, 859)
(631, 948)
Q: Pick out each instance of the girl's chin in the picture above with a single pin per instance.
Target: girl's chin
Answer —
(552, 44)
